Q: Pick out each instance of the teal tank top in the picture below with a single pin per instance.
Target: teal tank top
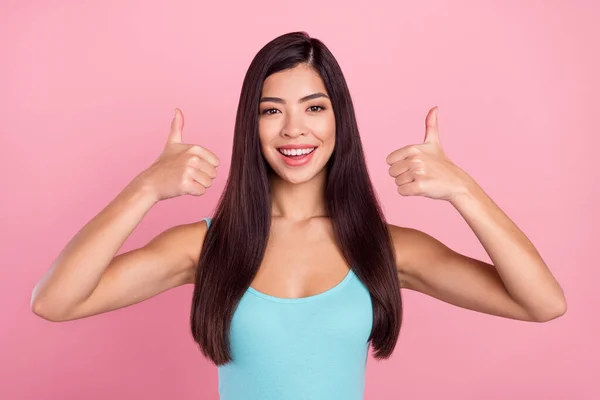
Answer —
(299, 348)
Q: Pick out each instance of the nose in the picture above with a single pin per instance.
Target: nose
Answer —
(293, 127)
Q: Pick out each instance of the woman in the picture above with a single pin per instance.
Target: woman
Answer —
(299, 272)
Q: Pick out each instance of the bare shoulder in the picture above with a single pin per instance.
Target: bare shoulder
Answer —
(413, 250)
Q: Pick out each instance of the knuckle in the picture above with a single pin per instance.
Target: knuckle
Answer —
(408, 150)
(185, 188)
(193, 160)
(188, 172)
(195, 148)
(186, 178)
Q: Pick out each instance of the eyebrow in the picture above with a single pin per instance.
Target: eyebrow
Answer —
(302, 100)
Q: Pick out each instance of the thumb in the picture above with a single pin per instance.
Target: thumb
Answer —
(176, 127)
(431, 126)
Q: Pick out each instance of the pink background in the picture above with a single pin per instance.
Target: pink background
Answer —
(87, 93)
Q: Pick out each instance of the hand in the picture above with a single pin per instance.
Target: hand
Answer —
(181, 168)
(424, 169)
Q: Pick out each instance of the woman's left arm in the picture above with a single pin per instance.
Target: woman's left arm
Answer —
(519, 284)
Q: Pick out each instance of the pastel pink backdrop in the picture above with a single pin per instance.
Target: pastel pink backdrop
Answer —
(87, 93)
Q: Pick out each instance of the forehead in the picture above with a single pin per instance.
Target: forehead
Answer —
(292, 83)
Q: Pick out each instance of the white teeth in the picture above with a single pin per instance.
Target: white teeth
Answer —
(296, 152)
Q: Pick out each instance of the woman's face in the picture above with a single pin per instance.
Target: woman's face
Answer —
(296, 118)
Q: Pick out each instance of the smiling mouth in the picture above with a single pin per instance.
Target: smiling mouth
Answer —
(296, 153)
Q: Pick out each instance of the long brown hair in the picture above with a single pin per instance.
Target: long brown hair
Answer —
(235, 244)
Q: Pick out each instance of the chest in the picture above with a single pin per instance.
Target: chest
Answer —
(337, 321)
(300, 262)
(278, 345)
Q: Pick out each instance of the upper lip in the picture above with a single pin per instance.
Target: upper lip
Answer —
(296, 146)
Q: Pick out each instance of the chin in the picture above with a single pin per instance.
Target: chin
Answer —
(295, 177)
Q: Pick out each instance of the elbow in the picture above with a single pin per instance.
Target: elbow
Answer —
(37, 309)
(45, 312)
(558, 309)
(40, 306)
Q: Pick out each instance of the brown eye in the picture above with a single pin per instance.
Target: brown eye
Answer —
(316, 108)
(269, 111)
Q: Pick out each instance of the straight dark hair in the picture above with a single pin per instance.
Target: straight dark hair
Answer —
(235, 244)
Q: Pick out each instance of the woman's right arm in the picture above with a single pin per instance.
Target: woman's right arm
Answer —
(87, 278)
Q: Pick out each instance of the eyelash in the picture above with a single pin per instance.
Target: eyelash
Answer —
(267, 111)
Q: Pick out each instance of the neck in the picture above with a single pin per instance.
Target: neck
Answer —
(298, 201)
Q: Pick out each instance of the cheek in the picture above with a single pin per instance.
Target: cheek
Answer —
(326, 131)
(267, 132)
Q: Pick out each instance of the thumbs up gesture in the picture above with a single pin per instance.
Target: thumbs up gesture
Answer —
(181, 168)
(424, 169)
